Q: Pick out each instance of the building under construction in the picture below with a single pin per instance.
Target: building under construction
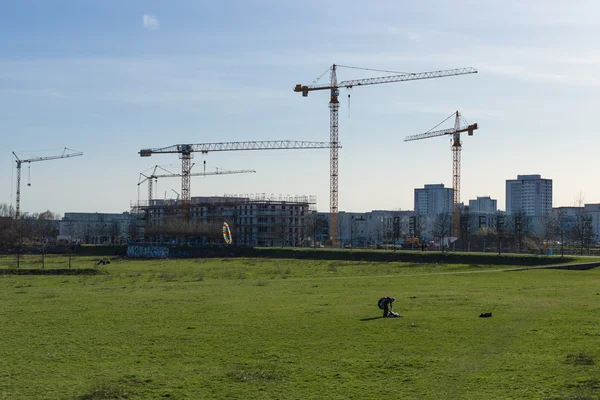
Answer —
(254, 220)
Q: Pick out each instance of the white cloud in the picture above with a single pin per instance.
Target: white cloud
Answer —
(151, 22)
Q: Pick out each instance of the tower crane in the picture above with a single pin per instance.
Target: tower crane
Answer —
(185, 153)
(154, 176)
(334, 88)
(456, 150)
(65, 154)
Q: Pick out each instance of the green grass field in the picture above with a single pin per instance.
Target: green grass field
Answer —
(298, 329)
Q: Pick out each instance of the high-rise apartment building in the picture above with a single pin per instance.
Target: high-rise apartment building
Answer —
(530, 194)
(433, 199)
(483, 205)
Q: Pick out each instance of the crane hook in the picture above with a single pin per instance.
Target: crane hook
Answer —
(348, 105)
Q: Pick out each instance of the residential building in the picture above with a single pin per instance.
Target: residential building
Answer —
(530, 194)
(593, 212)
(433, 200)
(569, 217)
(368, 228)
(95, 228)
(483, 205)
(253, 220)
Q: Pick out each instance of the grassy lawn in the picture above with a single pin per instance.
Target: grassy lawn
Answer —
(298, 329)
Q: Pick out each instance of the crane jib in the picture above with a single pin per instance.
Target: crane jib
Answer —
(239, 146)
(388, 79)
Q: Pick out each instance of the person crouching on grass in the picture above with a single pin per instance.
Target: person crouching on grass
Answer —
(385, 304)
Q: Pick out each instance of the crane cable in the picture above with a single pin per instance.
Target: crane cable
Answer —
(319, 78)
(451, 115)
(348, 105)
(12, 177)
(360, 68)
(377, 70)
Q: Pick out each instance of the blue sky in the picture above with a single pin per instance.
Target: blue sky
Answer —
(99, 77)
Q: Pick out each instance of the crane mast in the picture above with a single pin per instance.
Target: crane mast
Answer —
(334, 87)
(36, 159)
(334, 106)
(186, 167)
(456, 149)
(150, 180)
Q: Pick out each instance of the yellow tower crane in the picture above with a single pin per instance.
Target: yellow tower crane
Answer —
(460, 126)
(185, 153)
(334, 87)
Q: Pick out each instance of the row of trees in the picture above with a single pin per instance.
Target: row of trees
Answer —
(36, 230)
(525, 232)
(32, 231)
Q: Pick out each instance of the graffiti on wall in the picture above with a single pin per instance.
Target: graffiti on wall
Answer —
(147, 252)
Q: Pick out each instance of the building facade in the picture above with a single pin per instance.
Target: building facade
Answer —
(253, 221)
(95, 228)
(367, 228)
(483, 205)
(530, 194)
(593, 212)
(433, 199)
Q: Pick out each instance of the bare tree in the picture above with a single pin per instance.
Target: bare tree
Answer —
(396, 228)
(353, 231)
(388, 233)
(8, 233)
(132, 228)
(582, 229)
(468, 226)
(45, 231)
(311, 227)
(114, 232)
(500, 230)
(322, 226)
(522, 227)
(48, 216)
(23, 232)
(547, 230)
(8, 227)
(417, 226)
(561, 229)
(316, 226)
(442, 227)
(7, 210)
(70, 231)
(282, 229)
(342, 230)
